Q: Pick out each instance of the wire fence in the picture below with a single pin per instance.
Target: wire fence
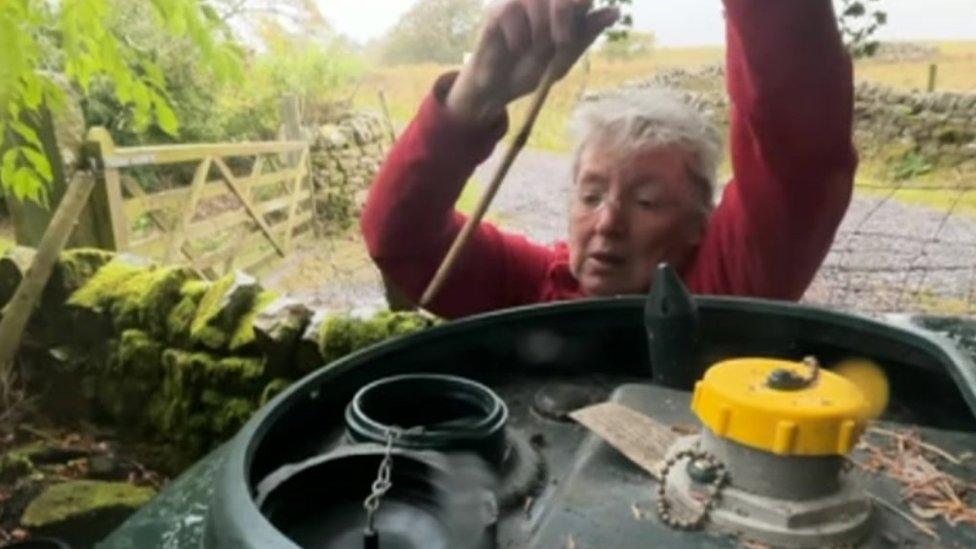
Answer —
(892, 255)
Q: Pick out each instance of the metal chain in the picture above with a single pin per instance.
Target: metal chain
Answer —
(664, 505)
(384, 474)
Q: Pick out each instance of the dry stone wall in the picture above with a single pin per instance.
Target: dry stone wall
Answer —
(940, 126)
(170, 358)
(347, 149)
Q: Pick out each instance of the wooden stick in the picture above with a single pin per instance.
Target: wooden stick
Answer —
(454, 252)
(28, 293)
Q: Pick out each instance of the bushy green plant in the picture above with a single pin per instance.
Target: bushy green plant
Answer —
(76, 37)
(318, 67)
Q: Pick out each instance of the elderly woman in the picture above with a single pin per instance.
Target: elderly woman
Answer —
(644, 169)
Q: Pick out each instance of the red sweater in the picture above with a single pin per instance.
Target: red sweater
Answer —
(790, 84)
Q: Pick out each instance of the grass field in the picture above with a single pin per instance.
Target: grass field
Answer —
(405, 87)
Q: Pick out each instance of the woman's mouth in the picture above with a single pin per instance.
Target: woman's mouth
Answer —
(606, 260)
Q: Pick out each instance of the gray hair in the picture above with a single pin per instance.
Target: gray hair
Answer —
(637, 119)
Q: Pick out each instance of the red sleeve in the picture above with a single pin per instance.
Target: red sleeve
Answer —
(791, 90)
(409, 219)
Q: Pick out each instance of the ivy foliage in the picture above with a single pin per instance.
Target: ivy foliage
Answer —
(39, 38)
(859, 20)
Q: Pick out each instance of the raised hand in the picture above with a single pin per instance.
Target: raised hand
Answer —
(520, 40)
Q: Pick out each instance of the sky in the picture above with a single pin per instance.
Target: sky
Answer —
(687, 22)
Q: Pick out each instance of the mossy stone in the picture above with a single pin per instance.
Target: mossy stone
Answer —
(341, 334)
(73, 269)
(82, 512)
(337, 336)
(225, 414)
(243, 337)
(181, 317)
(221, 308)
(146, 299)
(277, 330)
(139, 354)
(188, 375)
(14, 465)
(99, 291)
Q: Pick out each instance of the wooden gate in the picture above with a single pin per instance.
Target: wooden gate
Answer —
(243, 203)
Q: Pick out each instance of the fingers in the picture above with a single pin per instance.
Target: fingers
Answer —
(524, 38)
(542, 28)
(564, 23)
(595, 23)
(513, 22)
(538, 14)
(589, 27)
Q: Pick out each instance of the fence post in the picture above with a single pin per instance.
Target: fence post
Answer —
(386, 116)
(933, 70)
(291, 120)
(111, 229)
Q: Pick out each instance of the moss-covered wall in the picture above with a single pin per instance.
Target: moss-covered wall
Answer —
(168, 357)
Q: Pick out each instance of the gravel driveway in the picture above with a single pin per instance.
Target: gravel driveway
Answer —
(888, 255)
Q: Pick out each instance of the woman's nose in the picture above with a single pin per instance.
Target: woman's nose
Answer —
(611, 219)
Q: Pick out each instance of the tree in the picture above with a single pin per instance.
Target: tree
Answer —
(40, 38)
(438, 31)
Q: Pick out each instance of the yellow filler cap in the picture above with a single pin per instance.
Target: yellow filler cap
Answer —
(781, 406)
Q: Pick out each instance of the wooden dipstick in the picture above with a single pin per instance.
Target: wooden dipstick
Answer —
(461, 240)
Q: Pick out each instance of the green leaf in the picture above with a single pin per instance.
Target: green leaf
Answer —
(165, 117)
(8, 166)
(33, 92)
(40, 163)
(54, 96)
(27, 133)
(177, 20)
(24, 183)
(141, 97)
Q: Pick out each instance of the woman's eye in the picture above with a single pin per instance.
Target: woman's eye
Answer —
(591, 199)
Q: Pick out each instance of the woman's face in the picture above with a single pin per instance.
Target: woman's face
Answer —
(629, 212)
